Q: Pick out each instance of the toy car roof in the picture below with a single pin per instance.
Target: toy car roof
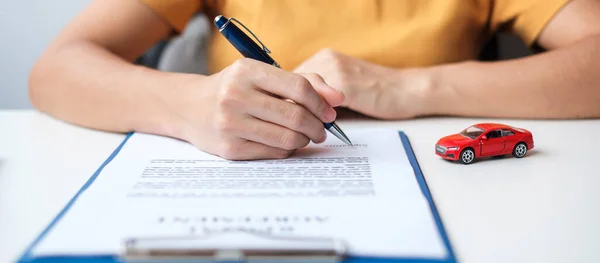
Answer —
(490, 126)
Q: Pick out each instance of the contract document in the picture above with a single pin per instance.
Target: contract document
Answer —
(366, 194)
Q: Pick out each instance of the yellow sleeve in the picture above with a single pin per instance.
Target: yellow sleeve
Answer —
(176, 12)
(524, 18)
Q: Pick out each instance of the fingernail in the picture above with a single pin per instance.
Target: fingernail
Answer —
(330, 115)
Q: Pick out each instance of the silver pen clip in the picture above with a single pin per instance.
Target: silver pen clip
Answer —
(249, 31)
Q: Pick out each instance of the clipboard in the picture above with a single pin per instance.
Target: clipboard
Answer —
(202, 249)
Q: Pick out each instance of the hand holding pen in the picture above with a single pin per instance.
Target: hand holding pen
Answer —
(249, 49)
(251, 110)
(252, 119)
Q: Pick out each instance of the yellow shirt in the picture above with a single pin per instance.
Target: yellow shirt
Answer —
(393, 33)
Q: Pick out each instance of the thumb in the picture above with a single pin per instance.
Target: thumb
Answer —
(333, 97)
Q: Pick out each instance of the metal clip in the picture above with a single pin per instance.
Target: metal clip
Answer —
(237, 246)
(250, 31)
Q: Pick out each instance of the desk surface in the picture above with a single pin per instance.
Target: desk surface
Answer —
(541, 208)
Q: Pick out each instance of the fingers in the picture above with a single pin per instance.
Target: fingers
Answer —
(249, 150)
(332, 96)
(291, 86)
(264, 112)
(287, 114)
(272, 135)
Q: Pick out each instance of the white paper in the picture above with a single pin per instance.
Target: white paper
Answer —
(366, 195)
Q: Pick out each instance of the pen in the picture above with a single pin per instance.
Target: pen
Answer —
(249, 49)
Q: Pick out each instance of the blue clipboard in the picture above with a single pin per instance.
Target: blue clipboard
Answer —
(28, 256)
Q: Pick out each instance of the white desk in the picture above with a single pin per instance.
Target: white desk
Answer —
(541, 208)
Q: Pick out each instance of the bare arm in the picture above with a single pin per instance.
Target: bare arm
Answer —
(86, 77)
(561, 83)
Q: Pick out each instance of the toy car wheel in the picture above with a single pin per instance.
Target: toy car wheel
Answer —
(467, 156)
(520, 150)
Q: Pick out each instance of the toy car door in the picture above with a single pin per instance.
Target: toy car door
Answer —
(493, 144)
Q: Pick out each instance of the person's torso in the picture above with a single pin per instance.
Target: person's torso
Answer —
(393, 33)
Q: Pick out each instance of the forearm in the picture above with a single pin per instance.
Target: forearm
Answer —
(563, 83)
(87, 85)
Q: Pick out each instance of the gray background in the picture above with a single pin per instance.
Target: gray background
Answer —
(28, 26)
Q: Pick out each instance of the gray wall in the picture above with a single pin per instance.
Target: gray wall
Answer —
(26, 28)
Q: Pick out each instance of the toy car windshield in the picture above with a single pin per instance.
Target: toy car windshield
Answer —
(472, 132)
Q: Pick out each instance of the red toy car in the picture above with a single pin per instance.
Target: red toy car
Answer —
(484, 140)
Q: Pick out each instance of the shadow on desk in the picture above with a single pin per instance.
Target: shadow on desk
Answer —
(531, 154)
(348, 114)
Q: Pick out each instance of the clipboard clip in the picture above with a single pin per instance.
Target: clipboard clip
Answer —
(238, 246)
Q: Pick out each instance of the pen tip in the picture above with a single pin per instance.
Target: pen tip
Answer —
(335, 130)
(347, 141)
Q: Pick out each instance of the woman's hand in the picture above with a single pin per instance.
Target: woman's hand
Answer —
(371, 89)
(246, 111)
